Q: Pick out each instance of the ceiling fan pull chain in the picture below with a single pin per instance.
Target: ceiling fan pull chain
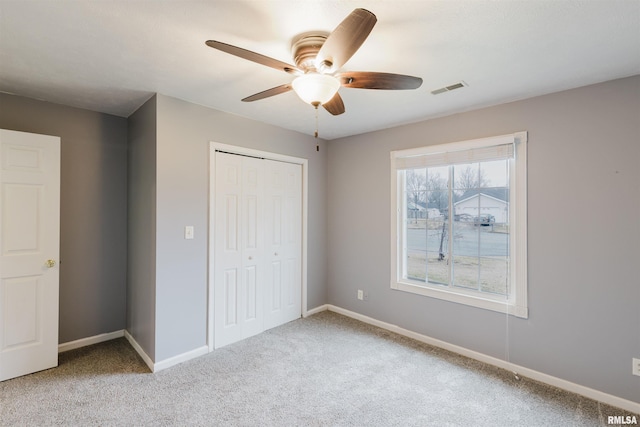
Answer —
(316, 132)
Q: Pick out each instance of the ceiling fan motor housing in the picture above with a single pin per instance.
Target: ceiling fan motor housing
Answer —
(305, 47)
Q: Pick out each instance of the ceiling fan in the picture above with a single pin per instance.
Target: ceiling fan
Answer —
(318, 57)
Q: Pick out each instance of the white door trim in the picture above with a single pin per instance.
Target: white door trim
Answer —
(217, 146)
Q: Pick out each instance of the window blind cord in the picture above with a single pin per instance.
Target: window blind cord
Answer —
(508, 315)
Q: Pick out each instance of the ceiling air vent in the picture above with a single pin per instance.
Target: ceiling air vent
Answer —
(449, 88)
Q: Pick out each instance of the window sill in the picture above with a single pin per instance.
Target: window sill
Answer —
(486, 303)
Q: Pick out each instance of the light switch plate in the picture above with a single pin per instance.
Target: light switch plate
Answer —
(188, 232)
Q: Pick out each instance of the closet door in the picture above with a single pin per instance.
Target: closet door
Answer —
(239, 260)
(283, 236)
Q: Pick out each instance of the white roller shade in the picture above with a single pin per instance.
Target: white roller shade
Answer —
(478, 150)
(473, 155)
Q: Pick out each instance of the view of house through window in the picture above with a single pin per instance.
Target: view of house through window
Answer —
(459, 222)
(457, 225)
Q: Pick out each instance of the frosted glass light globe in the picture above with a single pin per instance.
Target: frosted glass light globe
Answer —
(315, 88)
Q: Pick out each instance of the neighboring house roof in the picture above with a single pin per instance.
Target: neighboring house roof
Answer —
(500, 193)
(481, 194)
(415, 205)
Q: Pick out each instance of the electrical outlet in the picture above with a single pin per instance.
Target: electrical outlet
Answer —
(360, 295)
(636, 367)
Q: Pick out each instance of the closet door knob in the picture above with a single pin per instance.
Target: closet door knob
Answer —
(250, 258)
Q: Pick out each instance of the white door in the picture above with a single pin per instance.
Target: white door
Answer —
(239, 247)
(283, 216)
(29, 245)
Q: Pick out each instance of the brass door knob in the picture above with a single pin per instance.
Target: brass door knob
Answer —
(50, 263)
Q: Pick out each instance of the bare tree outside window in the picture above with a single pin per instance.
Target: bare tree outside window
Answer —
(415, 182)
(437, 185)
(469, 178)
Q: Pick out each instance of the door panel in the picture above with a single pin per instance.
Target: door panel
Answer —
(29, 235)
(231, 219)
(231, 297)
(277, 220)
(227, 270)
(292, 296)
(250, 293)
(290, 292)
(20, 205)
(276, 271)
(251, 222)
(21, 323)
(252, 247)
(284, 242)
(238, 300)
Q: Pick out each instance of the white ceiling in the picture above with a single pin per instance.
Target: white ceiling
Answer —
(111, 56)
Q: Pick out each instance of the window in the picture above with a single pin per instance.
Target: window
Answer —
(458, 222)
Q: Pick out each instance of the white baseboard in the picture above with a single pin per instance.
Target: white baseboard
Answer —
(600, 396)
(172, 361)
(71, 345)
(167, 363)
(139, 350)
(315, 310)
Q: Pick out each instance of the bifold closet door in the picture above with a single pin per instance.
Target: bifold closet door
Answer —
(283, 238)
(257, 246)
(239, 247)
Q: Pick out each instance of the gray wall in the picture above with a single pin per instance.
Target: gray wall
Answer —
(141, 250)
(93, 203)
(584, 232)
(584, 235)
(184, 131)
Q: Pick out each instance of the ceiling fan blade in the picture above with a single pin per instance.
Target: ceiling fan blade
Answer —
(334, 106)
(373, 80)
(253, 56)
(269, 92)
(345, 40)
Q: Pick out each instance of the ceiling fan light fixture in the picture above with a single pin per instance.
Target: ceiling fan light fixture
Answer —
(316, 88)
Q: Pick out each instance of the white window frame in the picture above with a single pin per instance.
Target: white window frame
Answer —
(516, 301)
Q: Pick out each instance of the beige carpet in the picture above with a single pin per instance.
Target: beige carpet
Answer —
(326, 370)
